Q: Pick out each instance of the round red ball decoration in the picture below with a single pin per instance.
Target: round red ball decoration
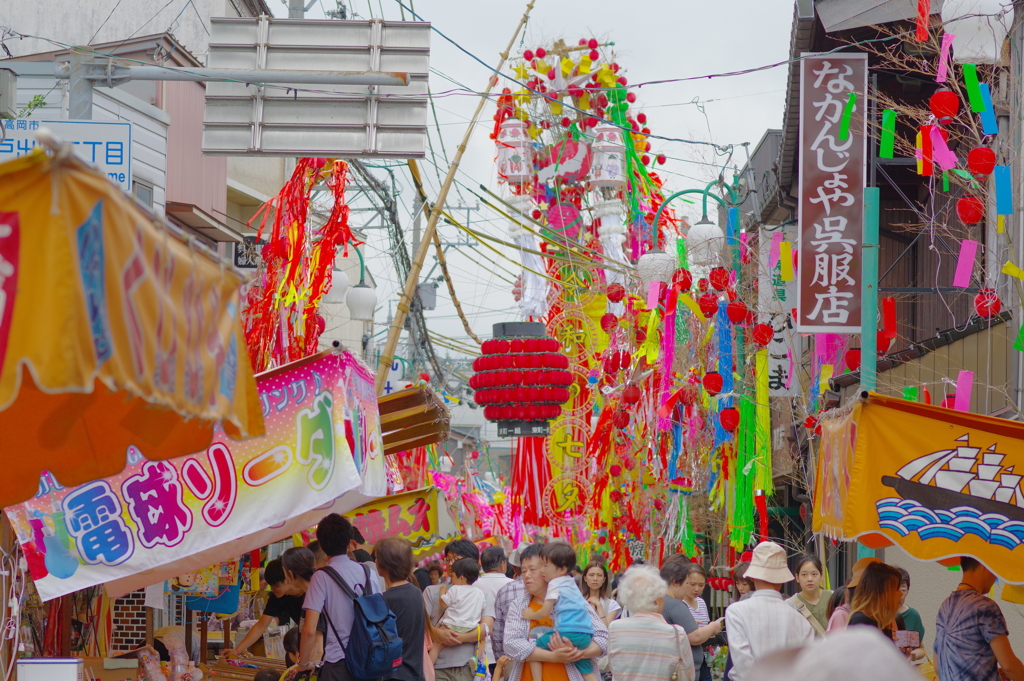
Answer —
(566, 122)
(615, 495)
(609, 322)
(708, 304)
(970, 210)
(662, 158)
(631, 394)
(541, 53)
(945, 105)
(592, 43)
(987, 303)
(736, 311)
(616, 292)
(620, 418)
(981, 161)
(321, 324)
(713, 382)
(729, 418)
(615, 469)
(683, 279)
(853, 359)
(425, 376)
(810, 423)
(528, 55)
(762, 334)
(719, 278)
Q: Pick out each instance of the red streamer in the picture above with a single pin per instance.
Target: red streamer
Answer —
(924, 10)
(889, 318)
(761, 502)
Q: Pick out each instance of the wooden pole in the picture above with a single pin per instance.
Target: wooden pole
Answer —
(204, 636)
(395, 332)
(189, 614)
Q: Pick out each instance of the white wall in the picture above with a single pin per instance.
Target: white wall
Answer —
(931, 583)
(149, 124)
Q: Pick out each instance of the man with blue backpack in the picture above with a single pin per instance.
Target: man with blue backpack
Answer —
(362, 639)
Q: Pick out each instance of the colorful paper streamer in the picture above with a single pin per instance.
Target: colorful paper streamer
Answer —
(947, 43)
(943, 157)
(844, 122)
(910, 393)
(786, 258)
(889, 318)
(1012, 270)
(888, 140)
(970, 72)
(965, 263)
(1004, 192)
(964, 388)
(924, 10)
(826, 374)
(989, 124)
(773, 254)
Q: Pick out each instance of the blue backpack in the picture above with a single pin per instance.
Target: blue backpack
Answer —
(374, 649)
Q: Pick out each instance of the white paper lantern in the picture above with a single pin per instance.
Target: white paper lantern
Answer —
(339, 287)
(704, 243)
(655, 266)
(361, 301)
(609, 156)
(980, 27)
(515, 153)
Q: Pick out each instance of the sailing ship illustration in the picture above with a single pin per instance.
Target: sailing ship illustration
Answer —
(962, 476)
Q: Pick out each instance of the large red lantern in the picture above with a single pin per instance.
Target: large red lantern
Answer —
(608, 322)
(853, 359)
(970, 210)
(616, 292)
(987, 303)
(620, 419)
(521, 379)
(708, 304)
(729, 418)
(736, 311)
(762, 334)
(945, 105)
(719, 278)
(631, 394)
(682, 279)
(713, 382)
(981, 161)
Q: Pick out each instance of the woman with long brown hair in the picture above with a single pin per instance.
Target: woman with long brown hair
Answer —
(877, 598)
(595, 586)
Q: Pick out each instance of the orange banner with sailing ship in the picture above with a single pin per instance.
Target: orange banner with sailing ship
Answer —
(939, 483)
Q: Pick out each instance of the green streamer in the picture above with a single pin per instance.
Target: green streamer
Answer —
(945, 181)
(910, 393)
(844, 122)
(1019, 343)
(888, 140)
(973, 90)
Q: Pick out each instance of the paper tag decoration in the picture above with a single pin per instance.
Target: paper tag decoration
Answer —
(965, 263)
(964, 388)
(888, 140)
(947, 43)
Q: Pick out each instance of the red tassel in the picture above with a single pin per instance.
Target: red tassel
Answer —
(761, 502)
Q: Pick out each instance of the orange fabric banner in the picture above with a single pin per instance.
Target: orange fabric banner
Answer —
(939, 483)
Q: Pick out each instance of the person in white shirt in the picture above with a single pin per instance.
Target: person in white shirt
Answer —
(461, 602)
(764, 622)
(492, 561)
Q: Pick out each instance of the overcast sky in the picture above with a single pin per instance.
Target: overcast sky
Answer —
(654, 40)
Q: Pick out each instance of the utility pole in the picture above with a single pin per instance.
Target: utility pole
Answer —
(388, 354)
(296, 10)
(1015, 224)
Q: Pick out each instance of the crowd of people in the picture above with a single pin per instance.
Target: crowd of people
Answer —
(533, 615)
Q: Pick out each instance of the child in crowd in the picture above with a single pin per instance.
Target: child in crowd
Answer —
(565, 605)
(462, 604)
(911, 618)
(291, 646)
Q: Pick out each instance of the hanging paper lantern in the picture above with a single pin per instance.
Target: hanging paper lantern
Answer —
(631, 394)
(987, 303)
(615, 469)
(882, 343)
(620, 419)
(615, 495)
(945, 105)
(949, 401)
(852, 358)
(702, 284)
(981, 161)
(713, 382)
(682, 279)
(521, 377)
(616, 292)
(729, 418)
(515, 152)
(970, 210)
(719, 278)
(708, 304)
(810, 423)
(736, 311)
(762, 334)
(609, 322)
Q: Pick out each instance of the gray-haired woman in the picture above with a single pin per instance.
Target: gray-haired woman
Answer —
(644, 646)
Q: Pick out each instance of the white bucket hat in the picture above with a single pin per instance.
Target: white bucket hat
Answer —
(769, 564)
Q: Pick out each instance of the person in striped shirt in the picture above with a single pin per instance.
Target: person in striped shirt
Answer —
(644, 647)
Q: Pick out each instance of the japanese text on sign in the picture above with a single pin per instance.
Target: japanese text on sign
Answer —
(107, 146)
(776, 300)
(832, 174)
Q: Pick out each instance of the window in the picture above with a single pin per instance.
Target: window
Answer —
(143, 193)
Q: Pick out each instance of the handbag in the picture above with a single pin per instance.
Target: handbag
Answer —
(679, 673)
(806, 612)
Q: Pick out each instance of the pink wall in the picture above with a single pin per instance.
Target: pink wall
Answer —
(192, 177)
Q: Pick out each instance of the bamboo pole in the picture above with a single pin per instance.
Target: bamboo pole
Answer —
(388, 355)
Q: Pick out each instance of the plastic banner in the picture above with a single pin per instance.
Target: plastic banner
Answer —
(323, 439)
(939, 483)
(420, 516)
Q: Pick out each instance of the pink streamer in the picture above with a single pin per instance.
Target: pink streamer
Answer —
(653, 291)
(947, 43)
(964, 388)
(789, 376)
(943, 157)
(744, 250)
(965, 263)
(668, 357)
(773, 254)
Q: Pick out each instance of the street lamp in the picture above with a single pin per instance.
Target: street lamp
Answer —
(361, 299)
(704, 243)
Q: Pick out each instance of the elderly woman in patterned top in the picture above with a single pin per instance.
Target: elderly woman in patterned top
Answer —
(644, 647)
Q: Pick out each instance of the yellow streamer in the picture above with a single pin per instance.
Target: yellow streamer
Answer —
(763, 424)
(1012, 270)
(826, 374)
(786, 260)
(692, 304)
(1000, 224)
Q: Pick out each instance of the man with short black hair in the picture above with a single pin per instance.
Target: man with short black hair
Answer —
(282, 606)
(492, 560)
(675, 611)
(325, 597)
(454, 662)
(970, 631)
(319, 557)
